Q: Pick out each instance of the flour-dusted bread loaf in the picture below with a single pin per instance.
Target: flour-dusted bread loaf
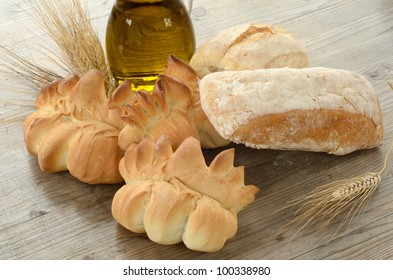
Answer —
(247, 47)
(173, 196)
(312, 109)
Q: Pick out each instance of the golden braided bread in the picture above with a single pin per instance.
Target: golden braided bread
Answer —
(76, 128)
(173, 196)
(173, 109)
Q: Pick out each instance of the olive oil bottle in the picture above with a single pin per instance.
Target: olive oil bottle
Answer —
(140, 36)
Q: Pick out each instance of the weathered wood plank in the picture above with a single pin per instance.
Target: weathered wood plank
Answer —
(53, 216)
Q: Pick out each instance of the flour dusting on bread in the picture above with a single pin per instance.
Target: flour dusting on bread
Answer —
(294, 108)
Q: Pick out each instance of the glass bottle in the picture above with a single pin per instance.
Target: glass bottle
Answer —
(142, 33)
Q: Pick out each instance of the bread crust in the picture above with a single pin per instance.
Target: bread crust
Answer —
(332, 131)
(312, 109)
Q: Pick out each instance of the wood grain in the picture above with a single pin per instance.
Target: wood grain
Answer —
(53, 216)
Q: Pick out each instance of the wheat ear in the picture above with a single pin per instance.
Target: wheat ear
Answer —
(327, 202)
(69, 27)
(78, 46)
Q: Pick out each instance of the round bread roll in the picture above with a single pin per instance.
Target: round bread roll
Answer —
(248, 47)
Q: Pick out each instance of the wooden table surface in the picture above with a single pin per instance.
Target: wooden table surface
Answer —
(53, 216)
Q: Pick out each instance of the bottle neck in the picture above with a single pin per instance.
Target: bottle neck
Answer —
(174, 4)
(119, 2)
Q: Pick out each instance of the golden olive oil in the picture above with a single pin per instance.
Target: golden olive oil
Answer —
(141, 34)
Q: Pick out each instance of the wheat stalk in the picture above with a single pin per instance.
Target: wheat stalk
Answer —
(78, 46)
(67, 23)
(327, 202)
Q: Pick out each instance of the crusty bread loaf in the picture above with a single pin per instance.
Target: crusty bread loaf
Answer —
(248, 47)
(173, 196)
(312, 109)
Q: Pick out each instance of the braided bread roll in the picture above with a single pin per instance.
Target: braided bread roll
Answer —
(174, 196)
(76, 128)
(173, 109)
(208, 135)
